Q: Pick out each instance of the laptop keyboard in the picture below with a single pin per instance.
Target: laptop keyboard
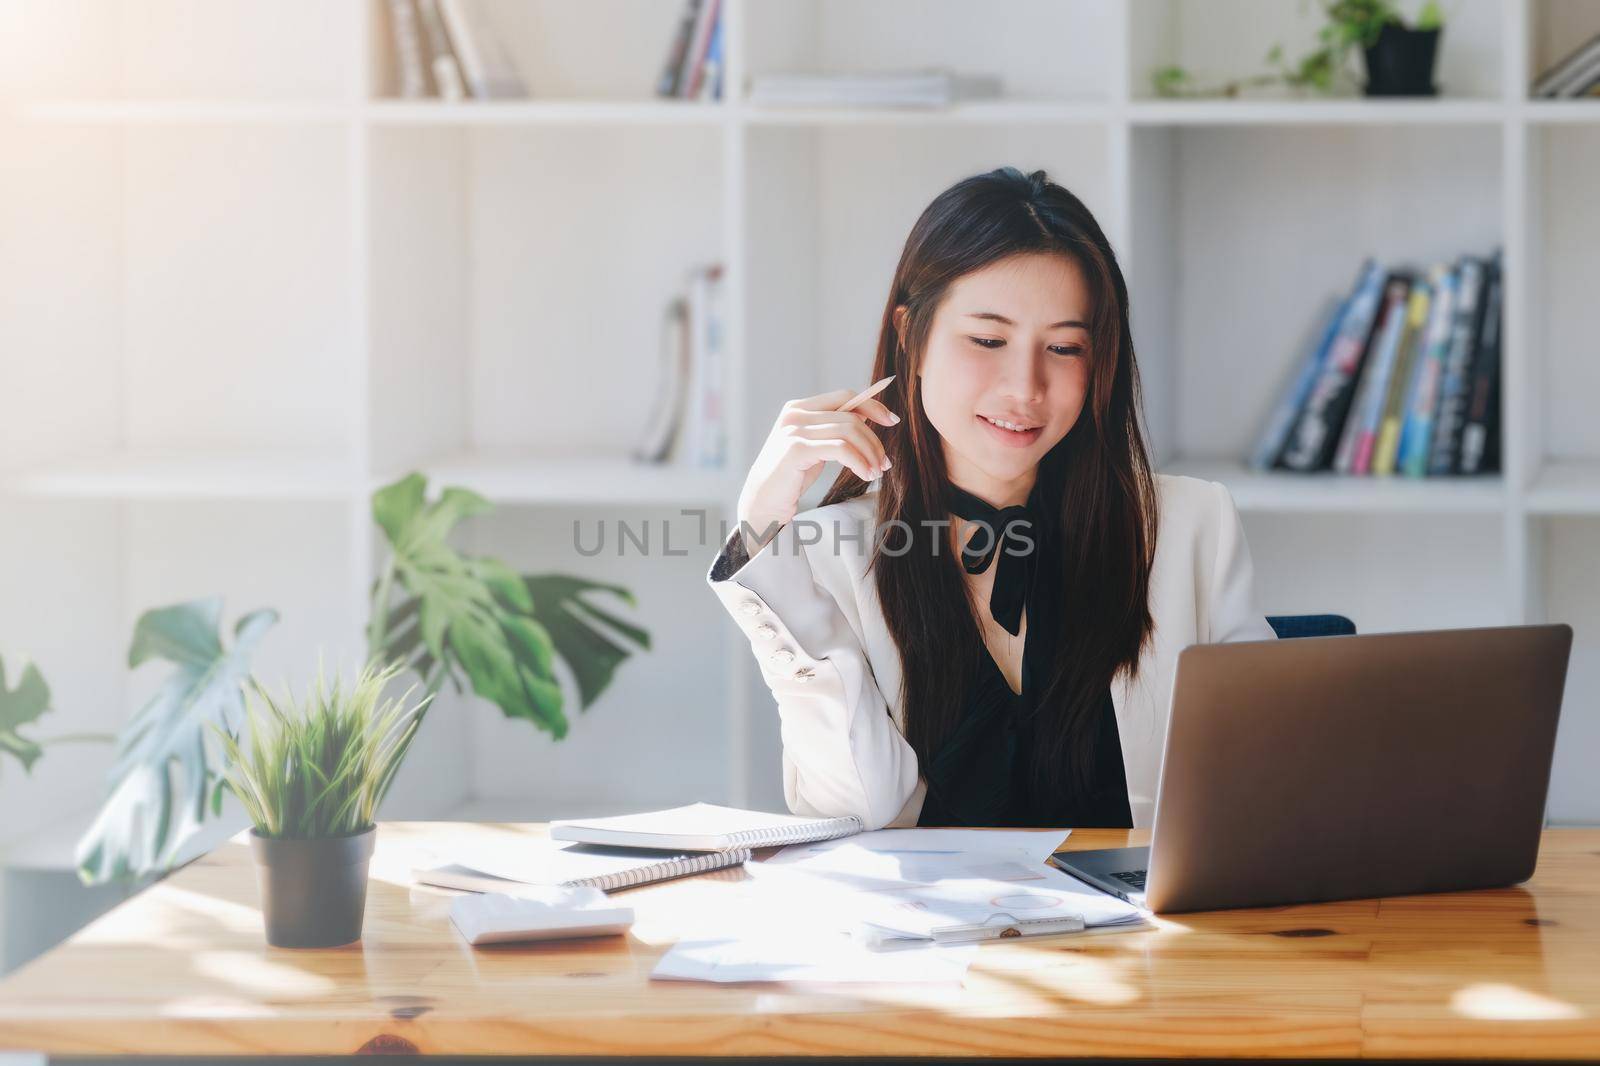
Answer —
(1134, 879)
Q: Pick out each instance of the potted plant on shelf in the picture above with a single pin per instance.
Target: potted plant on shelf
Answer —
(1399, 58)
(311, 781)
(1400, 62)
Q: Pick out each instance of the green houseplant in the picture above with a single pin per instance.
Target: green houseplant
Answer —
(1399, 57)
(23, 706)
(448, 616)
(311, 778)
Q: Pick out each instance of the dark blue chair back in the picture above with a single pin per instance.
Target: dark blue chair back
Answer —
(1287, 626)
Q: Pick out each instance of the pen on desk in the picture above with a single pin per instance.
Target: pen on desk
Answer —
(915, 851)
(961, 934)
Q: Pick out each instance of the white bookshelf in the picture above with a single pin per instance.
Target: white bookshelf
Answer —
(241, 285)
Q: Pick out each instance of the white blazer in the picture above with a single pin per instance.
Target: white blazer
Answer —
(812, 615)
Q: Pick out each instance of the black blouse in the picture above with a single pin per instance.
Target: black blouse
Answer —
(980, 775)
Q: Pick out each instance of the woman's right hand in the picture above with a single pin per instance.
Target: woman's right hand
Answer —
(807, 434)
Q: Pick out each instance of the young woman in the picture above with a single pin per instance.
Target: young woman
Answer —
(979, 625)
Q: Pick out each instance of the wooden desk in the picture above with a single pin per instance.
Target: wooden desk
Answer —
(183, 970)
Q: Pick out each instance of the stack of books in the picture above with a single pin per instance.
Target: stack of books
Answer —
(693, 68)
(448, 49)
(916, 88)
(687, 425)
(1404, 380)
(1577, 74)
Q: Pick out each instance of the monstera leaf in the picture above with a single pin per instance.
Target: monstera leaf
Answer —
(455, 614)
(570, 620)
(164, 769)
(471, 614)
(18, 707)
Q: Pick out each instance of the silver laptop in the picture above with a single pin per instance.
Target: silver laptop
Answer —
(1347, 767)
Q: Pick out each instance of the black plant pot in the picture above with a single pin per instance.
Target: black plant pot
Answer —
(313, 892)
(1400, 61)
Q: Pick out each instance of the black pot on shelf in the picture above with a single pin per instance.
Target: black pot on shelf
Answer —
(313, 892)
(1400, 61)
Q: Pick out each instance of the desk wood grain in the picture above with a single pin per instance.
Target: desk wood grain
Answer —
(183, 969)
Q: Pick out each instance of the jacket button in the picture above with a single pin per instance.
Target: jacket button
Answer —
(766, 629)
(783, 657)
(805, 673)
(751, 607)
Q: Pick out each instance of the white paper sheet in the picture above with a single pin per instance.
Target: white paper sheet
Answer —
(834, 958)
(913, 912)
(855, 868)
(1037, 844)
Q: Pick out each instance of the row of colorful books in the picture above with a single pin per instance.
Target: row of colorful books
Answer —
(450, 50)
(693, 68)
(687, 425)
(1404, 380)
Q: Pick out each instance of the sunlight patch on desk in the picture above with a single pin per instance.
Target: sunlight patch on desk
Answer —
(1507, 1003)
(261, 976)
(187, 919)
(1039, 977)
(225, 1008)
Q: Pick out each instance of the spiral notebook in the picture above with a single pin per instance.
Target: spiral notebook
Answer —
(703, 827)
(546, 862)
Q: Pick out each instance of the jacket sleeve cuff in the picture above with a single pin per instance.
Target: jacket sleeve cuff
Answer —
(730, 560)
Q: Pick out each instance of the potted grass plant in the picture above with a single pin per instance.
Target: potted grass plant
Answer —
(311, 778)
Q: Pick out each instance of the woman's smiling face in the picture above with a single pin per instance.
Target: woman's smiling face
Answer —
(1009, 343)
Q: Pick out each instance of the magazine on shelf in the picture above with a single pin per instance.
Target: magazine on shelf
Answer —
(1453, 389)
(1394, 405)
(406, 34)
(486, 67)
(1360, 431)
(1480, 436)
(441, 60)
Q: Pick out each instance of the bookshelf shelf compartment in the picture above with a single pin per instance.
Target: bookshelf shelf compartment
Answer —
(597, 50)
(1216, 43)
(1268, 227)
(1386, 572)
(1035, 49)
(525, 263)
